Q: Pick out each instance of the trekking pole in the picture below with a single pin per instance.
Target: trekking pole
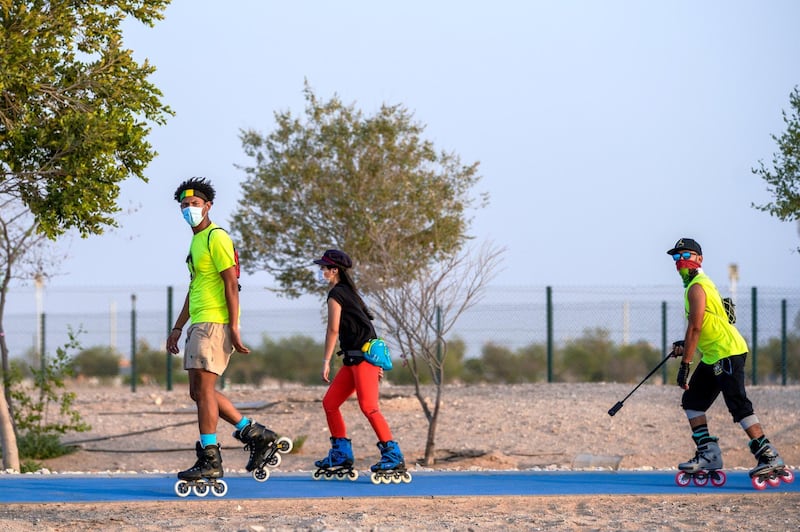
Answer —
(614, 409)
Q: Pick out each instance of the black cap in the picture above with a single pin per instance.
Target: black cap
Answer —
(334, 257)
(686, 244)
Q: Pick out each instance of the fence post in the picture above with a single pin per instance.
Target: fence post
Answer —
(169, 331)
(664, 340)
(754, 347)
(549, 293)
(783, 342)
(133, 342)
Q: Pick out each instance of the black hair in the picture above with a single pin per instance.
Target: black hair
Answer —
(200, 184)
(345, 278)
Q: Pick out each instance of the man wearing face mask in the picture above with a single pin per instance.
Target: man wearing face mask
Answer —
(723, 352)
(212, 306)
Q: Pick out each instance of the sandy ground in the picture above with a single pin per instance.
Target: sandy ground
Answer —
(535, 426)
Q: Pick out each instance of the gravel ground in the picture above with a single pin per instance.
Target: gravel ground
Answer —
(483, 427)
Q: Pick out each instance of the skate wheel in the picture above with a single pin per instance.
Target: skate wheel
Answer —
(284, 445)
(375, 478)
(219, 488)
(316, 475)
(200, 489)
(329, 475)
(787, 476)
(406, 477)
(352, 474)
(759, 483)
(386, 479)
(261, 474)
(700, 479)
(683, 479)
(182, 488)
(774, 481)
(274, 460)
(718, 478)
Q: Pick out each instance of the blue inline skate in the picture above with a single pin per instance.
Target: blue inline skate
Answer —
(339, 462)
(392, 467)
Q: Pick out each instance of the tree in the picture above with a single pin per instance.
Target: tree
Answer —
(374, 188)
(75, 111)
(783, 179)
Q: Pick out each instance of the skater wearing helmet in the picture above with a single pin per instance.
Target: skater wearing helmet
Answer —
(349, 324)
(212, 305)
(722, 351)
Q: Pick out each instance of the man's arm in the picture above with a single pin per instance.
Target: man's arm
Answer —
(697, 309)
(231, 283)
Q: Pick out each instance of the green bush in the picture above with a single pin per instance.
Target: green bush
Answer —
(97, 361)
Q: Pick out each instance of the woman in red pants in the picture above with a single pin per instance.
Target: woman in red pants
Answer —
(350, 323)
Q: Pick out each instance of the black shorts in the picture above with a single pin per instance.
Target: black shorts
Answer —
(726, 376)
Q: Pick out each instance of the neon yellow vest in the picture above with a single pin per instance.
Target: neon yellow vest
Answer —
(718, 338)
(208, 257)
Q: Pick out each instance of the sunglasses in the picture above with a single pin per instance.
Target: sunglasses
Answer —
(686, 255)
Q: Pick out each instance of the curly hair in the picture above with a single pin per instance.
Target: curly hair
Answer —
(200, 184)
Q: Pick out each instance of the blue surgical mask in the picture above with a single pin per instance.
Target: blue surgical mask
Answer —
(193, 215)
(321, 277)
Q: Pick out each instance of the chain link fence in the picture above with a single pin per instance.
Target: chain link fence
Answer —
(511, 317)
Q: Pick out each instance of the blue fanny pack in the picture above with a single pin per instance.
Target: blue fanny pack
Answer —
(376, 352)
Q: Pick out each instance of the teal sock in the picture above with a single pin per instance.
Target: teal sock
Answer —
(242, 423)
(208, 439)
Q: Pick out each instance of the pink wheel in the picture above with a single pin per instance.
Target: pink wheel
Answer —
(774, 481)
(759, 483)
(788, 476)
(701, 479)
(683, 479)
(718, 478)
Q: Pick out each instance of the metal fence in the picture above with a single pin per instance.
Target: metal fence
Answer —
(512, 316)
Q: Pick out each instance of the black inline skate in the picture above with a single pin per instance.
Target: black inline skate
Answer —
(339, 462)
(392, 467)
(264, 446)
(204, 476)
(706, 465)
(770, 470)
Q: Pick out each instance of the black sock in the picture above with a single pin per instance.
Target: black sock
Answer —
(700, 435)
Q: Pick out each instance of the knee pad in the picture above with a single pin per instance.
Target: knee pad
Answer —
(691, 414)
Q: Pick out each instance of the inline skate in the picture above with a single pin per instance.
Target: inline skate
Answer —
(264, 446)
(204, 476)
(706, 465)
(339, 462)
(770, 470)
(392, 467)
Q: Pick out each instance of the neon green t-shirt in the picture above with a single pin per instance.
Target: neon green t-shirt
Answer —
(718, 338)
(209, 254)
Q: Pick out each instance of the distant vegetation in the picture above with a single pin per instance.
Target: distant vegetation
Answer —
(592, 357)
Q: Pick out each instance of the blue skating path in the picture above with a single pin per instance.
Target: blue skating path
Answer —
(160, 487)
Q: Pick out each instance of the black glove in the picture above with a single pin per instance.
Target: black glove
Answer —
(683, 374)
(679, 343)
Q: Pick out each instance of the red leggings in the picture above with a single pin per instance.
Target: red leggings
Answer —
(362, 379)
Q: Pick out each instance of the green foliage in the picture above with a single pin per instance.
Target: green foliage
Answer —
(498, 364)
(98, 361)
(770, 360)
(783, 179)
(292, 359)
(75, 107)
(298, 442)
(151, 365)
(34, 419)
(342, 179)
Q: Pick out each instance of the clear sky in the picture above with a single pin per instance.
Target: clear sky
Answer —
(604, 130)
